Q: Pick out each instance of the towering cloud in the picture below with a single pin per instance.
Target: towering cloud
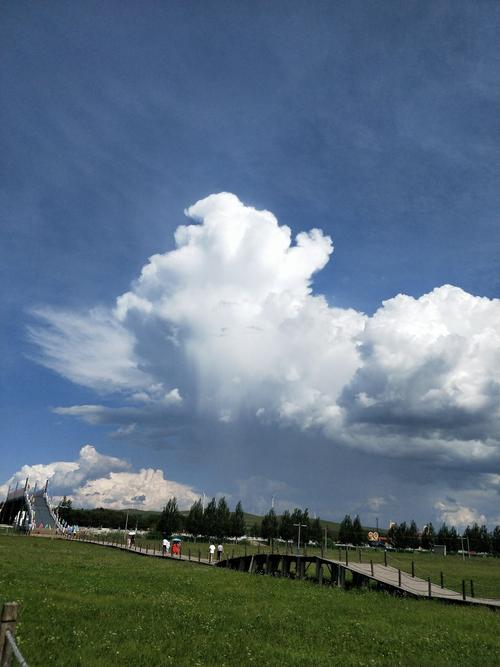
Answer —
(226, 327)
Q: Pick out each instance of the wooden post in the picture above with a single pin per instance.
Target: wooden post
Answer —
(199, 556)
(399, 577)
(385, 558)
(8, 621)
(347, 555)
(429, 586)
(463, 589)
(371, 567)
(441, 576)
(319, 571)
(471, 588)
(359, 555)
(413, 569)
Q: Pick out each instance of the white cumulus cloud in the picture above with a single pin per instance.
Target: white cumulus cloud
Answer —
(458, 515)
(225, 326)
(96, 480)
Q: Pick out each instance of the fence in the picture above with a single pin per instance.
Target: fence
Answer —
(8, 646)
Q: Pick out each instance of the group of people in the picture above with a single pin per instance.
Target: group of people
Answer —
(211, 551)
(175, 549)
(167, 549)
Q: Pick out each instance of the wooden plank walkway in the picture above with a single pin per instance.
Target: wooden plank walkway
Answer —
(152, 553)
(404, 582)
(384, 576)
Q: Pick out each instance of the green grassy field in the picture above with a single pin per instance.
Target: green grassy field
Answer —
(86, 605)
(484, 572)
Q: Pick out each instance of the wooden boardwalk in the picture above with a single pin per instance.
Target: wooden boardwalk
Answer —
(384, 577)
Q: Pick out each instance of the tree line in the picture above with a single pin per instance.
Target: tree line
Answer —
(476, 538)
(215, 520)
(218, 521)
(101, 517)
(286, 526)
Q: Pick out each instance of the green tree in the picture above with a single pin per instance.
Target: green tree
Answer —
(286, 529)
(454, 539)
(223, 518)
(316, 534)
(495, 540)
(391, 534)
(479, 539)
(194, 520)
(306, 520)
(428, 536)
(269, 528)
(443, 536)
(413, 535)
(302, 517)
(210, 519)
(346, 530)
(170, 520)
(65, 510)
(255, 530)
(357, 531)
(238, 528)
(402, 535)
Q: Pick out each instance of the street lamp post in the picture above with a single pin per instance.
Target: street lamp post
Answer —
(299, 525)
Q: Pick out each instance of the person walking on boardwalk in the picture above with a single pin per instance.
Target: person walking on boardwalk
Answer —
(211, 552)
(220, 551)
(165, 546)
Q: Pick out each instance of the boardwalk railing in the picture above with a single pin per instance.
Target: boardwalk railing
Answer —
(8, 647)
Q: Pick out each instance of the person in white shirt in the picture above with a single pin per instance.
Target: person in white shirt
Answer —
(211, 552)
(165, 546)
(220, 551)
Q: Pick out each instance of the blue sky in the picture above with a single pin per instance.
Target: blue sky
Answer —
(376, 123)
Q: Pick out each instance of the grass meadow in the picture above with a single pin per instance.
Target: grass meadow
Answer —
(483, 571)
(82, 604)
